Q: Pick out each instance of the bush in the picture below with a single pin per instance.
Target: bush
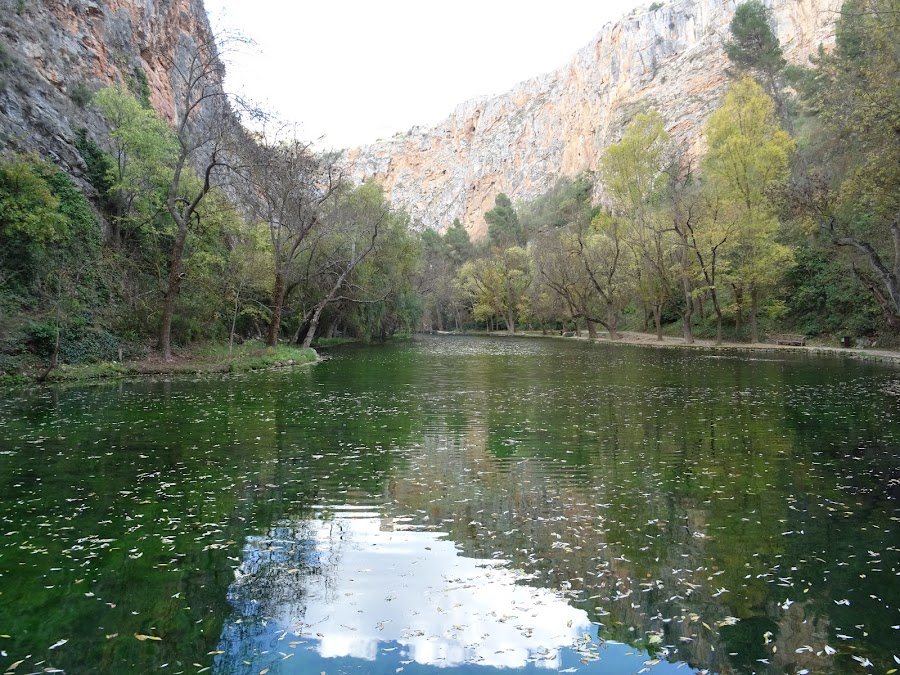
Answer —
(40, 336)
(99, 164)
(81, 95)
(140, 86)
(88, 346)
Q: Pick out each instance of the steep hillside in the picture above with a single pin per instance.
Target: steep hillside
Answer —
(54, 53)
(670, 59)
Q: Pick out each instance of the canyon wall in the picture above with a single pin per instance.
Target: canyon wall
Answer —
(53, 53)
(670, 59)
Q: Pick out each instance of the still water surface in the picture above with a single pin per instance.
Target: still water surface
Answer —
(459, 505)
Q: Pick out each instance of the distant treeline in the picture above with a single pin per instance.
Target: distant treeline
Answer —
(791, 220)
(203, 230)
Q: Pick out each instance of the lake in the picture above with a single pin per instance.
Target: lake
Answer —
(459, 505)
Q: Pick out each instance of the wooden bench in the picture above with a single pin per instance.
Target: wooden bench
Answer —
(795, 340)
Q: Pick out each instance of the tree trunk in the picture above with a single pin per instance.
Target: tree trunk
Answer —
(592, 329)
(171, 296)
(754, 309)
(54, 357)
(715, 301)
(332, 327)
(611, 322)
(313, 325)
(234, 316)
(511, 323)
(277, 307)
(657, 318)
(738, 309)
(687, 314)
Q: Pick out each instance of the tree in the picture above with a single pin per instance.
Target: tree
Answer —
(748, 157)
(349, 234)
(853, 95)
(754, 47)
(558, 264)
(504, 229)
(204, 119)
(30, 221)
(600, 250)
(458, 242)
(634, 177)
(142, 148)
(285, 185)
(497, 285)
(248, 268)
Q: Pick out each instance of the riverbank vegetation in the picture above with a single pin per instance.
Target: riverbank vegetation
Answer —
(194, 231)
(787, 223)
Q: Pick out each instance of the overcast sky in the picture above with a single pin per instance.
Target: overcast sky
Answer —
(355, 71)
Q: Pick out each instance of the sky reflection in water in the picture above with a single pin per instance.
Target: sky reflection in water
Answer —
(450, 505)
(354, 584)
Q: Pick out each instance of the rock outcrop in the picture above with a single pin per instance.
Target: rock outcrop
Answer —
(54, 53)
(669, 58)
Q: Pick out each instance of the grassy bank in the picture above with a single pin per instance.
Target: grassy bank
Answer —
(199, 360)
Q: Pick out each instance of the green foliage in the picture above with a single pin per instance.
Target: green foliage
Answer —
(99, 164)
(633, 167)
(458, 243)
(852, 98)
(565, 203)
(654, 6)
(30, 222)
(40, 337)
(82, 229)
(81, 94)
(504, 229)
(271, 356)
(824, 299)
(140, 86)
(754, 46)
(6, 58)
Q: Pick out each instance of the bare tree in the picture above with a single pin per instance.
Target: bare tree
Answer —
(203, 119)
(348, 236)
(286, 186)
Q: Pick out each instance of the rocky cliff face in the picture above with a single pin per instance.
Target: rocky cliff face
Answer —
(670, 59)
(54, 52)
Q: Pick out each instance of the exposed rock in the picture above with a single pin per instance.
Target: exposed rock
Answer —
(560, 123)
(51, 49)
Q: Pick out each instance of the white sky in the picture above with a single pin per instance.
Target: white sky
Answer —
(355, 71)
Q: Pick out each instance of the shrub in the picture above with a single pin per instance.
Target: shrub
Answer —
(40, 336)
(81, 94)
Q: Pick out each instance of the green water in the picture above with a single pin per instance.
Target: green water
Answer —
(459, 505)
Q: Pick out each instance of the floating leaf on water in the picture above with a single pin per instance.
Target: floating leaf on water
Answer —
(142, 637)
(60, 643)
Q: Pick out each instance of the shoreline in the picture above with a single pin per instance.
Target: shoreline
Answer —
(637, 339)
(180, 365)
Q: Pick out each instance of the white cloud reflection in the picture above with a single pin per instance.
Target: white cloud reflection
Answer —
(374, 581)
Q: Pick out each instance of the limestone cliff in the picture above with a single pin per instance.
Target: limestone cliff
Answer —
(54, 52)
(670, 59)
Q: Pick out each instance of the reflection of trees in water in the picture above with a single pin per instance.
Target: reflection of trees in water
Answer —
(275, 570)
(272, 583)
(646, 562)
